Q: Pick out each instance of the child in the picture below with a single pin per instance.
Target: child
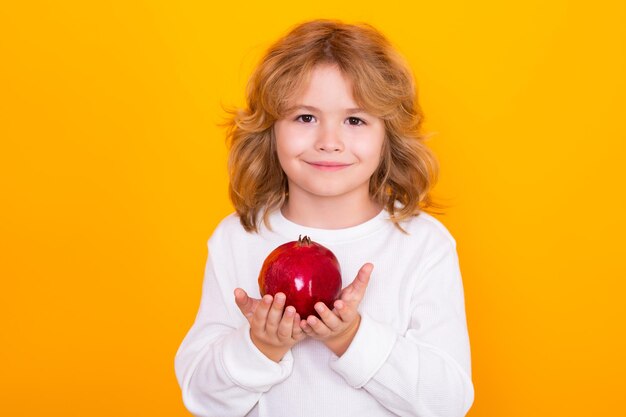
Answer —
(329, 147)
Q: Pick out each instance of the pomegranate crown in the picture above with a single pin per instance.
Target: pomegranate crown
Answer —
(304, 241)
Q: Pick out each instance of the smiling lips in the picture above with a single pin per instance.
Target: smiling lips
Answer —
(328, 166)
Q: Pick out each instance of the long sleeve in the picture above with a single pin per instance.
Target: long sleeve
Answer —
(426, 370)
(220, 371)
(410, 356)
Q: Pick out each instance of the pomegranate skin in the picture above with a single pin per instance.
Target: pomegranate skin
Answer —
(305, 271)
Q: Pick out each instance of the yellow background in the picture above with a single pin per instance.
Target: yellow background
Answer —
(112, 177)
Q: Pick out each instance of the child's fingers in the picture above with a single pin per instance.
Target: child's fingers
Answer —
(328, 317)
(275, 313)
(285, 327)
(296, 331)
(345, 312)
(245, 303)
(362, 279)
(259, 317)
(305, 327)
(318, 326)
(353, 293)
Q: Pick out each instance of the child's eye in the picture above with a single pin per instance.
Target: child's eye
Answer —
(305, 118)
(355, 121)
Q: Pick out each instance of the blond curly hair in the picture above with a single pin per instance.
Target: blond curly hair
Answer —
(383, 86)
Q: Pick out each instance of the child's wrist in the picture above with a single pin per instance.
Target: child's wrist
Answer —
(274, 353)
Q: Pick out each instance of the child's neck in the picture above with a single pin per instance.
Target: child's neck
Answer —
(331, 213)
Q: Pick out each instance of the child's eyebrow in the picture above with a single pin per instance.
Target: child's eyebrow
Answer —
(315, 109)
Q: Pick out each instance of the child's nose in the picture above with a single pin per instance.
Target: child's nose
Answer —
(329, 140)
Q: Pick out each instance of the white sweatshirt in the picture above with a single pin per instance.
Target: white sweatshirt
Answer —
(410, 356)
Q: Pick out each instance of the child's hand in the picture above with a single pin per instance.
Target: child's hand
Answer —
(272, 330)
(338, 327)
(246, 304)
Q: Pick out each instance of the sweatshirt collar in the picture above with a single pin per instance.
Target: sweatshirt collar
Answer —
(290, 230)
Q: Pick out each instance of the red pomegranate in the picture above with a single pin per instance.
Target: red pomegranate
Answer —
(305, 271)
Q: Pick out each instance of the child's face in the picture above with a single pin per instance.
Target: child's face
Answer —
(326, 145)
